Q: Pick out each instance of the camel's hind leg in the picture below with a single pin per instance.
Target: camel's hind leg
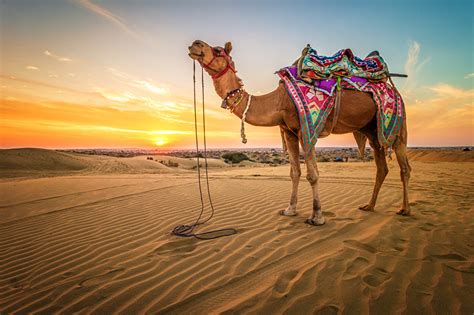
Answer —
(405, 169)
(382, 170)
(312, 176)
(292, 146)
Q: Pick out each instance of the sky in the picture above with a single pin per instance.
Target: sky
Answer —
(116, 74)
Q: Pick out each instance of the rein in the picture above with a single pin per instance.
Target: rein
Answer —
(185, 230)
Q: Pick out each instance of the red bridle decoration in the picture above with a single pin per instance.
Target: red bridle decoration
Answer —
(219, 52)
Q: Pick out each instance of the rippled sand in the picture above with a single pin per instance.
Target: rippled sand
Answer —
(101, 244)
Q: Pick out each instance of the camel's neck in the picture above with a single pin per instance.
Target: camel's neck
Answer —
(264, 110)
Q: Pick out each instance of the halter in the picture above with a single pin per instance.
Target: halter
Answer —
(219, 52)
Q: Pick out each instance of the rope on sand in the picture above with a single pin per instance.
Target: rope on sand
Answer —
(187, 230)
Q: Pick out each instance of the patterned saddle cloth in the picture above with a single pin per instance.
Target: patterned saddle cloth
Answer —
(312, 66)
(314, 102)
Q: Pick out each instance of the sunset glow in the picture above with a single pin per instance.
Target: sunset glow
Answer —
(82, 74)
(161, 141)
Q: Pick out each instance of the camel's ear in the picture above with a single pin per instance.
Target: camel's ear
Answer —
(228, 47)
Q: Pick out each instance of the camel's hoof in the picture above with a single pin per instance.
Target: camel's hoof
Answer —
(318, 221)
(366, 208)
(287, 214)
(403, 212)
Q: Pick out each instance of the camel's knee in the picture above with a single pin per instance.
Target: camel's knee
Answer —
(295, 173)
(405, 171)
(312, 178)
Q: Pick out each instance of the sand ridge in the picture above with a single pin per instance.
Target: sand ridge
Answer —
(28, 162)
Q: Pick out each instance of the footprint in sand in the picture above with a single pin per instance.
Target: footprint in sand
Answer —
(355, 267)
(400, 244)
(176, 247)
(460, 267)
(427, 227)
(283, 282)
(329, 214)
(446, 257)
(288, 228)
(360, 246)
(328, 310)
(377, 277)
(100, 278)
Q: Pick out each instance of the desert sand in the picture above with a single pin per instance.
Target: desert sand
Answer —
(91, 234)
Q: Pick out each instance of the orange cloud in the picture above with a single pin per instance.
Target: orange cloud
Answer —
(64, 125)
(445, 119)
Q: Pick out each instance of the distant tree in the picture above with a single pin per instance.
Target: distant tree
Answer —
(234, 157)
(323, 159)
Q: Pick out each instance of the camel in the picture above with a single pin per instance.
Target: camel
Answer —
(357, 115)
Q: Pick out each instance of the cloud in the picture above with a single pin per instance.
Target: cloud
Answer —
(448, 91)
(58, 58)
(469, 75)
(412, 57)
(128, 101)
(32, 68)
(116, 20)
(43, 85)
(144, 85)
(413, 66)
(446, 118)
(147, 85)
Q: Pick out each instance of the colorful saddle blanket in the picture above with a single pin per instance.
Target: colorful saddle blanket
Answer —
(312, 66)
(314, 102)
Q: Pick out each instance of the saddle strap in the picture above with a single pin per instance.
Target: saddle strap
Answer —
(337, 109)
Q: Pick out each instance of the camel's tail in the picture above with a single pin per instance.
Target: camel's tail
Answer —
(361, 140)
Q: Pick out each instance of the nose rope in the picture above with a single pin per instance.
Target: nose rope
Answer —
(185, 230)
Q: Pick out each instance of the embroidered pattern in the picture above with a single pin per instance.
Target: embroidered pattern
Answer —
(312, 66)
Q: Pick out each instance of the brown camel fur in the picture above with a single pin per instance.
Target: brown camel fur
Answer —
(357, 115)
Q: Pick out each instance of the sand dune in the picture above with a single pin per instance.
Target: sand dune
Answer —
(41, 162)
(33, 159)
(100, 244)
(441, 155)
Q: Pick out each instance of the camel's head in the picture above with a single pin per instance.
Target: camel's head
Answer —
(216, 60)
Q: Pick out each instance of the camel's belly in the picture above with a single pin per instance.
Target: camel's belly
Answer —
(357, 109)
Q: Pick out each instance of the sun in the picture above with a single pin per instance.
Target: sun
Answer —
(161, 141)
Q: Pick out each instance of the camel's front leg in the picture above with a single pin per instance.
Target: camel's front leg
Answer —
(292, 146)
(312, 176)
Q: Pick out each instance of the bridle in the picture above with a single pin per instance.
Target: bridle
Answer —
(219, 52)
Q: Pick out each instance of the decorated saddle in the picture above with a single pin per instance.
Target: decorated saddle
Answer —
(312, 66)
(313, 83)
